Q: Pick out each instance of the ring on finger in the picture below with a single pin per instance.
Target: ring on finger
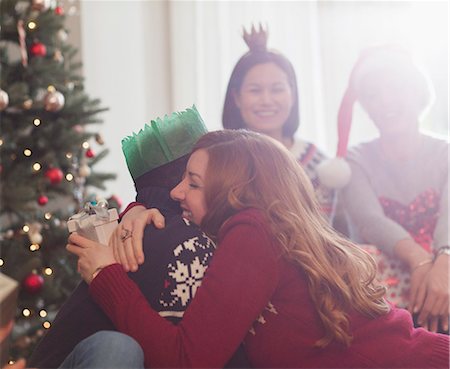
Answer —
(126, 233)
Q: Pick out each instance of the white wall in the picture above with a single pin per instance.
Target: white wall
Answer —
(126, 65)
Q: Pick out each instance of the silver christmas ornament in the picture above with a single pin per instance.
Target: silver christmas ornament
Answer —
(62, 35)
(4, 100)
(54, 101)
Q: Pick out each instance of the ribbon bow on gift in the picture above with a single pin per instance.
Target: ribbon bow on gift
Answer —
(80, 220)
(99, 209)
(94, 222)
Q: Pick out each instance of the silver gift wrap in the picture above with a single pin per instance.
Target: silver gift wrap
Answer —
(95, 222)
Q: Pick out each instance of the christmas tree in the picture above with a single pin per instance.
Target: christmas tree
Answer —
(47, 159)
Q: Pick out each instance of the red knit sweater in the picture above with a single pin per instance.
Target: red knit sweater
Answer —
(249, 293)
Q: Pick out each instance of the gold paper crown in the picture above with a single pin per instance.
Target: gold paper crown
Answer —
(256, 40)
(163, 141)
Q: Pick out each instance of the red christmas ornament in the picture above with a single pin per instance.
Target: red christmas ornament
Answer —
(55, 175)
(90, 153)
(42, 200)
(59, 10)
(33, 283)
(38, 49)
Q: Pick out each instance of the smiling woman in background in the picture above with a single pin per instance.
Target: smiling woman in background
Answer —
(397, 198)
(262, 96)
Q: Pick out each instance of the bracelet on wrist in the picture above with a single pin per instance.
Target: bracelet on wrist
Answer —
(96, 271)
(421, 264)
(443, 250)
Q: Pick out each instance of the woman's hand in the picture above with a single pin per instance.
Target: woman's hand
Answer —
(428, 296)
(419, 262)
(92, 256)
(418, 287)
(435, 308)
(126, 240)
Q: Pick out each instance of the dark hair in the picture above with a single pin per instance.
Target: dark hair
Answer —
(231, 116)
(165, 176)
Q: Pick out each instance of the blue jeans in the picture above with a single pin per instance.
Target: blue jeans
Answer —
(106, 349)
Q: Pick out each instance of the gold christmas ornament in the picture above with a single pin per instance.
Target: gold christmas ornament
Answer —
(84, 171)
(99, 139)
(4, 100)
(54, 101)
(58, 56)
(35, 237)
(27, 104)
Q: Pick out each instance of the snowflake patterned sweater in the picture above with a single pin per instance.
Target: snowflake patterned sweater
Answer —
(250, 293)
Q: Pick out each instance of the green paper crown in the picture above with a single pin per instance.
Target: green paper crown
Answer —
(163, 141)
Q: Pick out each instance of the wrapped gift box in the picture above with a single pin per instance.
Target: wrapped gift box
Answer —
(95, 225)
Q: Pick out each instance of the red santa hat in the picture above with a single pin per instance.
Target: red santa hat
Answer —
(335, 173)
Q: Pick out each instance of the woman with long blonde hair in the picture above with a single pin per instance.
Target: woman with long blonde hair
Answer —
(281, 281)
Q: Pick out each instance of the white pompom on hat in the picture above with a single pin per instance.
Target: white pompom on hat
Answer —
(335, 173)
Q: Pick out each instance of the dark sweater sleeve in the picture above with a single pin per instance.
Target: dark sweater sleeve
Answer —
(237, 286)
